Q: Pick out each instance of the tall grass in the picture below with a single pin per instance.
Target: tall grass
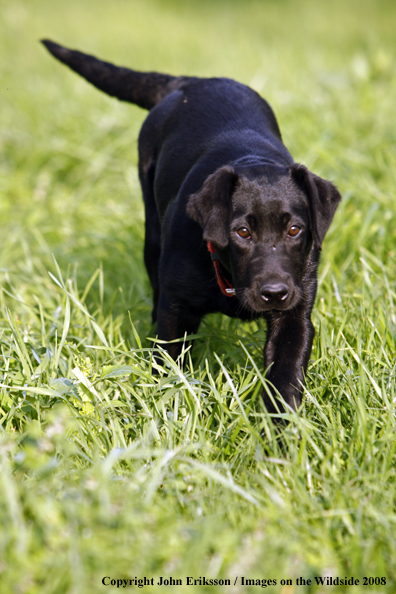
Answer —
(110, 470)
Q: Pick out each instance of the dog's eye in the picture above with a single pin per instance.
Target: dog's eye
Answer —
(294, 231)
(244, 233)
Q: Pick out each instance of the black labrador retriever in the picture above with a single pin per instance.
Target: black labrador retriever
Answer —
(233, 225)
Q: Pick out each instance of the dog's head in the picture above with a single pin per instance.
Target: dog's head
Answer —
(264, 221)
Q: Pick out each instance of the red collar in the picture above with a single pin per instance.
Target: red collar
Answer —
(229, 290)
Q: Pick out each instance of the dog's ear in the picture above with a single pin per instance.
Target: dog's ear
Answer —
(323, 199)
(211, 206)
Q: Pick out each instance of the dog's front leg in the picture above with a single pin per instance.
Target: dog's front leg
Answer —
(175, 320)
(286, 355)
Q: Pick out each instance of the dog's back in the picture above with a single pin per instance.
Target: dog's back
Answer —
(218, 119)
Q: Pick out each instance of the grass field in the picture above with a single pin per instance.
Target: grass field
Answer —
(107, 470)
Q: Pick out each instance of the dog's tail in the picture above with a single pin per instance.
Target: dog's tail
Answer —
(145, 89)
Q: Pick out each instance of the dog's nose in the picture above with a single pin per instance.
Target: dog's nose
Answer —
(275, 292)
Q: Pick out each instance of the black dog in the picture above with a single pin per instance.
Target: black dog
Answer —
(217, 178)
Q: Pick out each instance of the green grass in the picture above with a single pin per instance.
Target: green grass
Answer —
(109, 470)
